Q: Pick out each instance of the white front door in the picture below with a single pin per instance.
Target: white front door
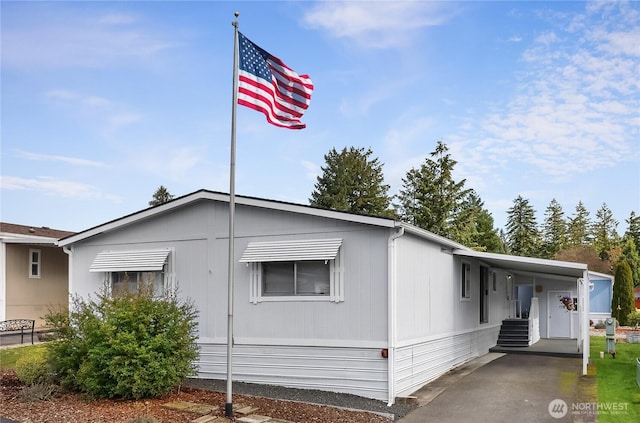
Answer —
(559, 317)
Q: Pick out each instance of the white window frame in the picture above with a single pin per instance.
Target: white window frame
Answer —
(37, 263)
(465, 281)
(336, 284)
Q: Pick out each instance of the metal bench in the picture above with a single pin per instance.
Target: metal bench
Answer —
(15, 325)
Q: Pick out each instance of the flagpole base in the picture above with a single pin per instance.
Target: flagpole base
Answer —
(228, 410)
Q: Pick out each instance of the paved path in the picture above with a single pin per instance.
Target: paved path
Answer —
(511, 388)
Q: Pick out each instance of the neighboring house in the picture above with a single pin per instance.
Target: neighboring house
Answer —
(329, 300)
(33, 272)
(636, 297)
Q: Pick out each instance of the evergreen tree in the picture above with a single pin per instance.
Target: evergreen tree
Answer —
(352, 181)
(554, 230)
(431, 198)
(622, 302)
(604, 232)
(632, 257)
(464, 222)
(523, 237)
(488, 238)
(162, 195)
(578, 227)
(633, 230)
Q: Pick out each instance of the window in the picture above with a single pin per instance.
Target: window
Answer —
(484, 294)
(296, 278)
(297, 270)
(34, 263)
(134, 281)
(465, 281)
(132, 270)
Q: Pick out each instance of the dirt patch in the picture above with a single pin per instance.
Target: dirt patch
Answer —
(71, 407)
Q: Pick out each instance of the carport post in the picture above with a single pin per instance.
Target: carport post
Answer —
(584, 292)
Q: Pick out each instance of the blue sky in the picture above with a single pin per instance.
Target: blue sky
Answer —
(102, 102)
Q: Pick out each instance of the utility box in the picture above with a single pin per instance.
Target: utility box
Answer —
(610, 333)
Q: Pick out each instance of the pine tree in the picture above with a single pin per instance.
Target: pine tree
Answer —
(633, 230)
(578, 227)
(353, 182)
(554, 230)
(162, 195)
(488, 238)
(430, 197)
(523, 237)
(632, 257)
(604, 232)
(622, 302)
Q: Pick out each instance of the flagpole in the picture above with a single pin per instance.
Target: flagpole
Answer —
(228, 408)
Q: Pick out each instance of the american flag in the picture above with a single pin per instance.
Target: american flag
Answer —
(269, 86)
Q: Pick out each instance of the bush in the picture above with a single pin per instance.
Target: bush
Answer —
(634, 319)
(129, 345)
(34, 368)
(41, 391)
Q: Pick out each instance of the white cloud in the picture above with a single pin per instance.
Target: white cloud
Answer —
(576, 108)
(56, 187)
(377, 24)
(312, 169)
(77, 38)
(56, 158)
(114, 115)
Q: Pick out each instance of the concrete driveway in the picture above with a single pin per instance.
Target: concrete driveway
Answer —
(508, 388)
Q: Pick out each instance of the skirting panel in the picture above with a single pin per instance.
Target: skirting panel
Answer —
(420, 363)
(358, 371)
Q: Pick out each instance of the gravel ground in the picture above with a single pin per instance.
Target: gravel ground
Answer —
(311, 396)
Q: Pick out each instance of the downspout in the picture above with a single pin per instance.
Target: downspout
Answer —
(392, 313)
(69, 252)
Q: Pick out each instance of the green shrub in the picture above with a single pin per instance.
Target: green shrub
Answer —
(40, 391)
(634, 319)
(129, 345)
(34, 368)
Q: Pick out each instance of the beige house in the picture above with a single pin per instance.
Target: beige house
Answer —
(33, 272)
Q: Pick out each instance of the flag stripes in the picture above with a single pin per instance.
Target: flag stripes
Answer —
(267, 85)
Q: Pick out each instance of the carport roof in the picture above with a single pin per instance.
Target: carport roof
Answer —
(526, 264)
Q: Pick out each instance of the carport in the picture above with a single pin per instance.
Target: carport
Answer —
(529, 267)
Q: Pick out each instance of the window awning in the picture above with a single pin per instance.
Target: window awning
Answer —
(120, 261)
(293, 250)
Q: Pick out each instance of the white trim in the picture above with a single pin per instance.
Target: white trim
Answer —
(38, 263)
(465, 276)
(121, 261)
(336, 282)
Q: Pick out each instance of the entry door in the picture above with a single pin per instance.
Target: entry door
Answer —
(559, 318)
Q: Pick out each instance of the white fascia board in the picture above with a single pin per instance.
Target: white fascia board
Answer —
(8, 238)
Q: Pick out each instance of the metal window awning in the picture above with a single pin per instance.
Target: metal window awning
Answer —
(120, 261)
(293, 250)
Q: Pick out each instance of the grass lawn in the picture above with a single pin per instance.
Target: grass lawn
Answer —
(616, 381)
(8, 357)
